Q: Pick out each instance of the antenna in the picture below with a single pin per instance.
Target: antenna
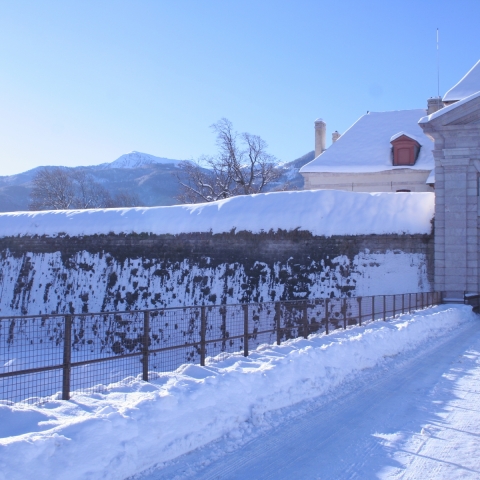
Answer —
(438, 72)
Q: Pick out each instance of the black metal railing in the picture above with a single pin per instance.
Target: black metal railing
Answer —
(43, 355)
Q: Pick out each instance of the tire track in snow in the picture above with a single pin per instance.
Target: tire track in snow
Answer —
(343, 437)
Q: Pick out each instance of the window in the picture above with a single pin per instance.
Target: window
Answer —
(405, 150)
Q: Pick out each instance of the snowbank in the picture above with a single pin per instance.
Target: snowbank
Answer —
(132, 425)
(322, 212)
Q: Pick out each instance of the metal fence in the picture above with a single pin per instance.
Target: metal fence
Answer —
(44, 355)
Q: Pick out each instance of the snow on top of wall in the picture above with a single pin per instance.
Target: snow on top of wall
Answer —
(138, 159)
(467, 86)
(322, 212)
(445, 110)
(366, 147)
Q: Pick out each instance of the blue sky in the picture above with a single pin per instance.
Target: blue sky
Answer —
(83, 82)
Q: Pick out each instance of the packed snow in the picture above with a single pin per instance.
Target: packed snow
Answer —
(138, 159)
(321, 212)
(414, 416)
(467, 86)
(365, 146)
(131, 426)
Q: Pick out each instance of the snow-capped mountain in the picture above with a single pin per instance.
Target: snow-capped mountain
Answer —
(152, 179)
(137, 160)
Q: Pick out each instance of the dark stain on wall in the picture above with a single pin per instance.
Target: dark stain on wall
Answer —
(291, 260)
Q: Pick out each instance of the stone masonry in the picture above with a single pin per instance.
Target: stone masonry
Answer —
(456, 132)
(40, 275)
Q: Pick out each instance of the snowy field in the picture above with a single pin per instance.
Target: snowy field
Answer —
(244, 403)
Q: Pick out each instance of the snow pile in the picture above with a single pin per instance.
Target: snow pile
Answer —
(365, 146)
(133, 425)
(467, 86)
(322, 212)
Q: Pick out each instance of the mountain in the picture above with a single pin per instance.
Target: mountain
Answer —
(138, 160)
(290, 176)
(151, 178)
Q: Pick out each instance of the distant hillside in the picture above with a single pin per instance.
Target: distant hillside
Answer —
(151, 178)
(291, 178)
(138, 160)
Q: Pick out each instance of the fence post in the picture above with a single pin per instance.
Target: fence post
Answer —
(409, 303)
(277, 322)
(344, 313)
(423, 302)
(373, 308)
(245, 330)
(403, 303)
(305, 320)
(394, 297)
(384, 309)
(146, 339)
(359, 300)
(326, 316)
(67, 358)
(203, 332)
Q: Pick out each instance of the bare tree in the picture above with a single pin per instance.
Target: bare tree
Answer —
(242, 167)
(56, 188)
(53, 189)
(205, 184)
(125, 199)
(89, 193)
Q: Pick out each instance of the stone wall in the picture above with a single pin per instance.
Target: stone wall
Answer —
(123, 272)
(456, 130)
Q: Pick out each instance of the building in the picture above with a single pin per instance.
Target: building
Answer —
(380, 152)
(456, 132)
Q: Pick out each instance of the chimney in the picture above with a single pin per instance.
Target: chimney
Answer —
(335, 136)
(320, 136)
(434, 104)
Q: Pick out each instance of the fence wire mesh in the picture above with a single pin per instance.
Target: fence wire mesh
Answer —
(47, 355)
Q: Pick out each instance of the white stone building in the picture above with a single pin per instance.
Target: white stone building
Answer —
(380, 152)
(456, 131)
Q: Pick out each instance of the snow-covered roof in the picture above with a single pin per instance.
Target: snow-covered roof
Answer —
(366, 147)
(467, 86)
(400, 134)
(449, 108)
(322, 212)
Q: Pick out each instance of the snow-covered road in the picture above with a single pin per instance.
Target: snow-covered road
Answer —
(384, 400)
(416, 416)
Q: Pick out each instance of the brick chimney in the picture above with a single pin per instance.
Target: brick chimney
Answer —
(434, 104)
(320, 136)
(335, 136)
